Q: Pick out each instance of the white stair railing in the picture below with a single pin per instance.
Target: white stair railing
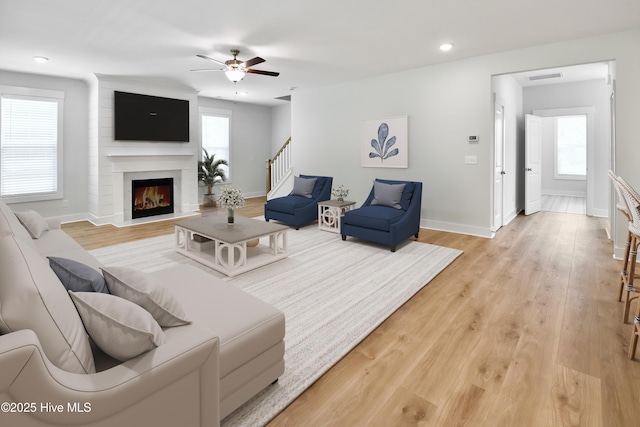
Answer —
(279, 167)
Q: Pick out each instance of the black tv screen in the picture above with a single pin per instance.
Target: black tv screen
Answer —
(150, 118)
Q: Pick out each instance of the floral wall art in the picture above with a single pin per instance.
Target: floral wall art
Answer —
(384, 143)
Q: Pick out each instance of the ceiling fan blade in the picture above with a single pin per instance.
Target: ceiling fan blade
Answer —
(209, 69)
(254, 61)
(211, 59)
(264, 73)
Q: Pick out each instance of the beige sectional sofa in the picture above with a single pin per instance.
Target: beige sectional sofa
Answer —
(52, 373)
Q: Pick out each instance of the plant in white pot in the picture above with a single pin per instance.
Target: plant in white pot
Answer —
(210, 172)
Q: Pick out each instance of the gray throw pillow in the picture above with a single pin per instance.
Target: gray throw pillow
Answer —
(387, 194)
(77, 277)
(303, 186)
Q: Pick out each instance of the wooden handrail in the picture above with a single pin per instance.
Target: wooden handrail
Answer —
(281, 150)
(272, 160)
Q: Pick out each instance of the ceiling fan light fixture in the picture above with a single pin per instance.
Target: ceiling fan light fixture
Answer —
(234, 74)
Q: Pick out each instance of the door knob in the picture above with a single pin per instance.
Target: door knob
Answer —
(502, 172)
(529, 170)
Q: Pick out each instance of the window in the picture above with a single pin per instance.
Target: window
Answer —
(30, 144)
(215, 125)
(571, 147)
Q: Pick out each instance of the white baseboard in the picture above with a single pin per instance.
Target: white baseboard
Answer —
(254, 194)
(77, 217)
(510, 216)
(102, 220)
(603, 213)
(564, 193)
(456, 228)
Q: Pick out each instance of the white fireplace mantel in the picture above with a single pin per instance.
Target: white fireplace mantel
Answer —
(144, 165)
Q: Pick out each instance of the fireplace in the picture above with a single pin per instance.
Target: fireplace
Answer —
(151, 197)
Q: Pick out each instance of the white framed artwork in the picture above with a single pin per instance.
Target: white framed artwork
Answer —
(384, 143)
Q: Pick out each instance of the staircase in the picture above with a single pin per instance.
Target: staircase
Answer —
(279, 169)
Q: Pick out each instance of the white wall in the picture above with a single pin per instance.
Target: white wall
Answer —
(251, 134)
(281, 127)
(88, 141)
(509, 92)
(74, 139)
(445, 103)
(326, 135)
(592, 93)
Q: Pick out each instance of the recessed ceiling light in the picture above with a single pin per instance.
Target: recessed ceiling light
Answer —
(243, 93)
(41, 59)
(446, 47)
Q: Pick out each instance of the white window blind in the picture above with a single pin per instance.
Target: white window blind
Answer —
(215, 137)
(571, 147)
(29, 147)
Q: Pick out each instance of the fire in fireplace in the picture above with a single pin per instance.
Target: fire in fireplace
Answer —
(151, 197)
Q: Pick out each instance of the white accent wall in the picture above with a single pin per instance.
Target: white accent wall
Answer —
(112, 163)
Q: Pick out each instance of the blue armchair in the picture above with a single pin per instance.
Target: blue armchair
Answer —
(295, 209)
(390, 215)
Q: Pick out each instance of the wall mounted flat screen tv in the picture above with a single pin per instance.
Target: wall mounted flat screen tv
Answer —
(150, 118)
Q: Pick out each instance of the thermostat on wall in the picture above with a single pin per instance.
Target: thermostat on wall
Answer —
(474, 139)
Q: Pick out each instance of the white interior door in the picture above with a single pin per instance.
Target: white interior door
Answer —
(532, 164)
(498, 166)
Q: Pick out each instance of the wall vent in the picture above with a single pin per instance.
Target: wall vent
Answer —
(545, 76)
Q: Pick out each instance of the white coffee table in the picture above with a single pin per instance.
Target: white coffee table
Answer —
(212, 242)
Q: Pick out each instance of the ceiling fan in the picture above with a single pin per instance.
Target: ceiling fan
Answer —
(235, 69)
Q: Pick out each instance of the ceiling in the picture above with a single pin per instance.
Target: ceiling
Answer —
(595, 71)
(311, 44)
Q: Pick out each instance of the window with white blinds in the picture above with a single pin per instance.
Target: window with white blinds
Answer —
(30, 144)
(215, 134)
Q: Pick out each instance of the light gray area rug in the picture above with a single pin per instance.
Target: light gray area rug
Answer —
(333, 293)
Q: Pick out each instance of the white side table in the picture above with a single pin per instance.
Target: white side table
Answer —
(329, 213)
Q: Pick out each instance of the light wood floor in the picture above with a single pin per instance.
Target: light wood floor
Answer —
(564, 204)
(522, 330)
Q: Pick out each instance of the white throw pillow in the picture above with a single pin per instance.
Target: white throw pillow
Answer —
(145, 290)
(32, 297)
(33, 222)
(119, 327)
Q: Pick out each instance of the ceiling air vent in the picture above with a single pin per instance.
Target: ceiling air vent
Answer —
(545, 76)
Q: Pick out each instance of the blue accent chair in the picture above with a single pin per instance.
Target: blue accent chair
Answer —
(383, 224)
(299, 210)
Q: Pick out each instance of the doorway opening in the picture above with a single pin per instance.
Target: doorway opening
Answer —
(587, 85)
(568, 154)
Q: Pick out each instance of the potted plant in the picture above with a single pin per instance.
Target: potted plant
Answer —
(210, 172)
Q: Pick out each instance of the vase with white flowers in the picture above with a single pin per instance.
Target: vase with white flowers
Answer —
(340, 192)
(232, 199)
